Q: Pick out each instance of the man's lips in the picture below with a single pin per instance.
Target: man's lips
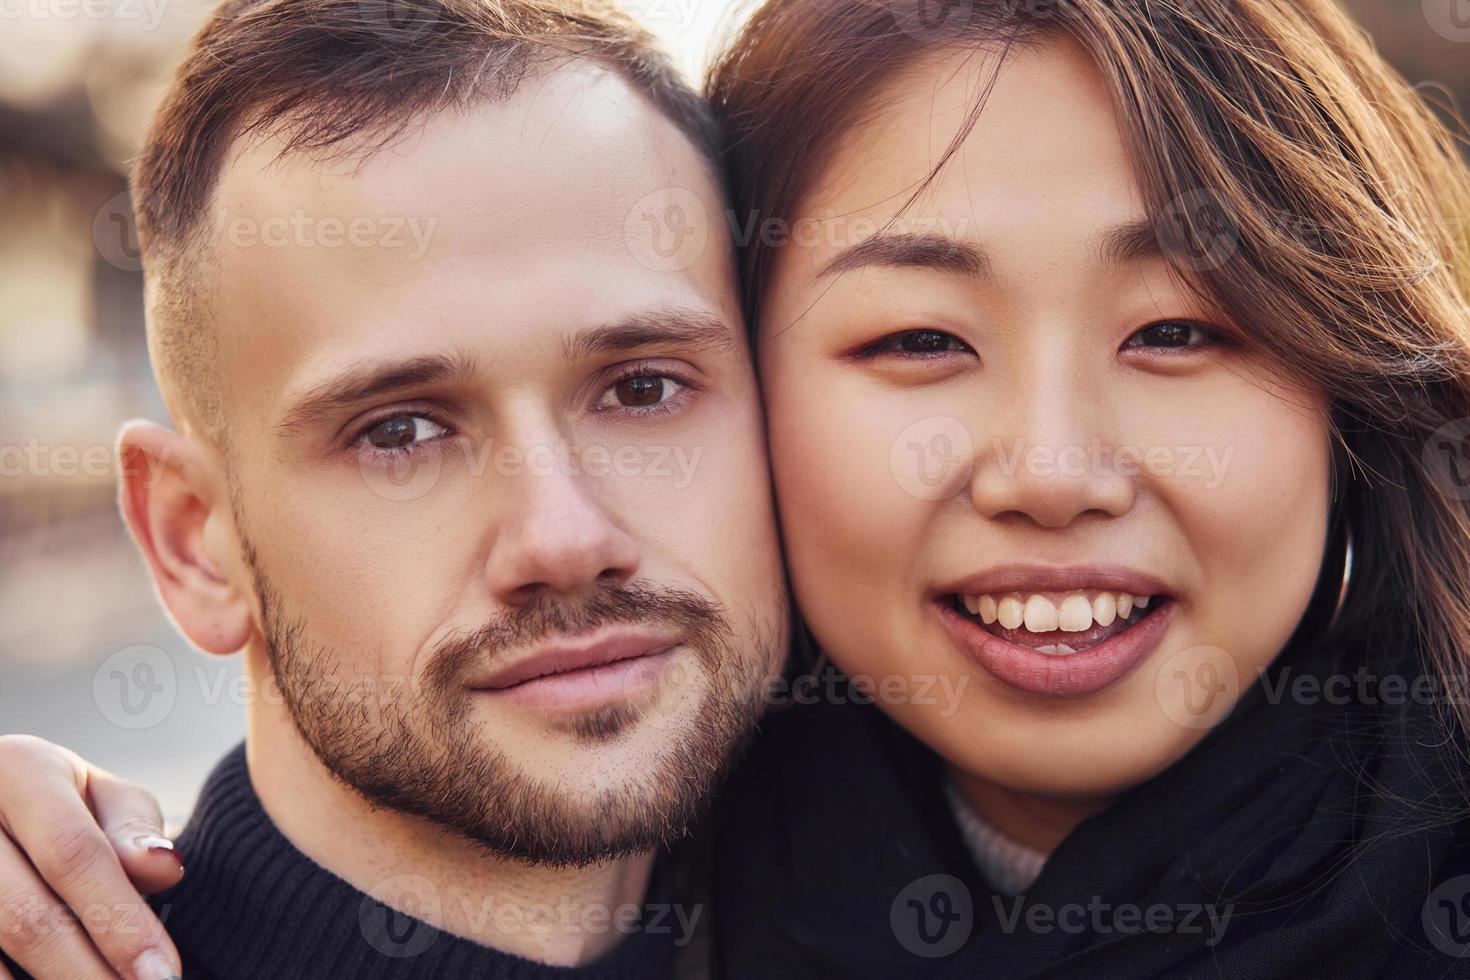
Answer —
(584, 654)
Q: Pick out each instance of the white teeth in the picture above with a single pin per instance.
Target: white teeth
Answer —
(1010, 613)
(1056, 649)
(1075, 614)
(1041, 615)
(988, 609)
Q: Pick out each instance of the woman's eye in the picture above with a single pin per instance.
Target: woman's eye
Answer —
(916, 343)
(1173, 335)
(403, 431)
(640, 391)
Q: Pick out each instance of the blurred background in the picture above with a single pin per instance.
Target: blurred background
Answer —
(86, 656)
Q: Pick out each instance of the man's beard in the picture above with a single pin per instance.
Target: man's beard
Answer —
(413, 748)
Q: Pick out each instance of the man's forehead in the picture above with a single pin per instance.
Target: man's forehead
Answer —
(574, 145)
(501, 230)
(538, 190)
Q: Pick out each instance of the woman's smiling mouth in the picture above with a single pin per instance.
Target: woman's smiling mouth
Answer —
(1057, 632)
(1055, 623)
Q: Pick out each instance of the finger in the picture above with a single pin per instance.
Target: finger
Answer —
(36, 930)
(130, 818)
(59, 835)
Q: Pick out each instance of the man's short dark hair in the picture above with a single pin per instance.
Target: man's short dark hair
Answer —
(318, 75)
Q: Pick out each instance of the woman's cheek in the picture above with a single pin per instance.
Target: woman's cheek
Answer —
(851, 529)
(1251, 495)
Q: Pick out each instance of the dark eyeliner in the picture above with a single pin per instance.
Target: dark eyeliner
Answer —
(889, 344)
(1212, 336)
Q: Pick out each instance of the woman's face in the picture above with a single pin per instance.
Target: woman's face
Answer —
(999, 422)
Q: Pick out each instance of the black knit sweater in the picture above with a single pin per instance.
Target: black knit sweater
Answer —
(252, 906)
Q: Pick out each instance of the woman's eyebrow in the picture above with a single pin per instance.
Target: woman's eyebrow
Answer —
(1136, 241)
(913, 250)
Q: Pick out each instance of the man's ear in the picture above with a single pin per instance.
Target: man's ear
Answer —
(174, 499)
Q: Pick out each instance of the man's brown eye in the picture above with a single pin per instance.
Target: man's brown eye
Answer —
(638, 392)
(402, 431)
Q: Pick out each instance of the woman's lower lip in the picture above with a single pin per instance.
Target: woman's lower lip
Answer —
(1071, 675)
(589, 687)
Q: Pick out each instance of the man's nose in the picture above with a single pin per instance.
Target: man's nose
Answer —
(554, 535)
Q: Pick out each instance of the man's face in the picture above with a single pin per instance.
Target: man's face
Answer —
(481, 432)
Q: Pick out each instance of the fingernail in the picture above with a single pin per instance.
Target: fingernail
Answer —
(156, 844)
(153, 965)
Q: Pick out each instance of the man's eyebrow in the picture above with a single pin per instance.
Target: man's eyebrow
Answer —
(374, 380)
(908, 250)
(1133, 242)
(688, 330)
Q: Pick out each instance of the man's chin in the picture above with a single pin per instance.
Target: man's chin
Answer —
(601, 797)
(563, 789)
(551, 770)
(616, 744)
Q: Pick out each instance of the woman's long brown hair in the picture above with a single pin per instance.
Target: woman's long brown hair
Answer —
(1302, 185)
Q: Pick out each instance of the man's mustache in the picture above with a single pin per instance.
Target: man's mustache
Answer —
(700, 621)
